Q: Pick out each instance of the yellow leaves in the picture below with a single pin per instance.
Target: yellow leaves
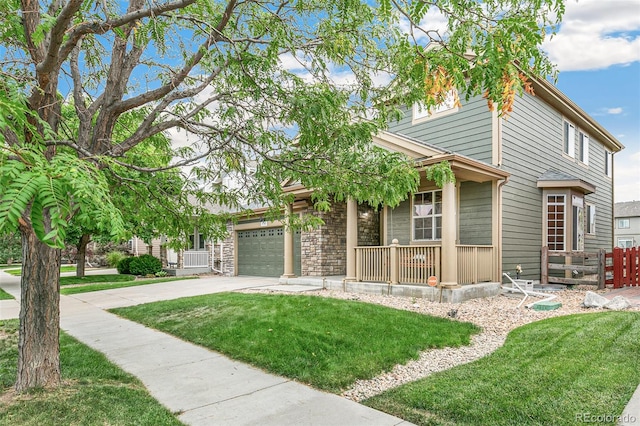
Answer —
(438, 86)
(510, 82)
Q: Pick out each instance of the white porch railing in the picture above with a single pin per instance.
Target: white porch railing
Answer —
(196, 259)
(415, 264)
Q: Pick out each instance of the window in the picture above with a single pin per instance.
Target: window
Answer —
(578, 224)
(608, 163)
(583, 141)
(591, 219)
(569, 139)
(199, 238)
(427, 215)
(625, 242)
(448, 106)
(623, 223)
(555, 222)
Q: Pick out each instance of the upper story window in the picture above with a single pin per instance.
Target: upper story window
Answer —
(623, 223)
(569, 136)
(427, 215)
(608, 163)
(625, 243)
(583, 146)
(421, 113)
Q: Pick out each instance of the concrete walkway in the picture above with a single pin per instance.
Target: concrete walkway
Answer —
(201, 386)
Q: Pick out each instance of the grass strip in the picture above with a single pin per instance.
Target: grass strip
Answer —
(17, 272)
(109, 286)
(95, 391)
(552, 372)
(90, 279)
(4, 295)
(325, 342)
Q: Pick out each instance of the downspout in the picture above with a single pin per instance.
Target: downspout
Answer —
(499, 209)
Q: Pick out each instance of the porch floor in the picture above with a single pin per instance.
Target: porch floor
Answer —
(175, 272)
(433, 294)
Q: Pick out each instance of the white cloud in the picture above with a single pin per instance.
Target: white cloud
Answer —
(627, 179)
(614, 111)
(596, 34)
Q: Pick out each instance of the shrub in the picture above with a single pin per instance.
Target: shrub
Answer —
(161, 274)
(124, 266)
(145, 264)
(114, 257)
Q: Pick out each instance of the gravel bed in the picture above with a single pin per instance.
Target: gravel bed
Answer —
(497, 316)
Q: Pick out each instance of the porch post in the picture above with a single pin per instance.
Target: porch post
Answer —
(449, 272)
(288, 244)
(352, 238)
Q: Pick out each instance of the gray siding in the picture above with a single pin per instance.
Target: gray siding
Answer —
(467, 131)
(475, 213)
(399, 223)
(532, 144)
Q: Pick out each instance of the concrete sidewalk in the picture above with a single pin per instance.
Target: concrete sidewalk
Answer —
(201, 386)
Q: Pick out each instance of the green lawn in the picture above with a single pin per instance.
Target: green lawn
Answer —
(101, 285)
(96, 392)
(549, 372)
(94, 279)
(325, 342)
(16, 272)
(4, 295)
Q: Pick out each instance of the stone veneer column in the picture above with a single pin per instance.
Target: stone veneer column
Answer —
(352, 238)
(288, 244)
(449, 271)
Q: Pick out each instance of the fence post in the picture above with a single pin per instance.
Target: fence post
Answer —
(544, 266)
(393, 261)
(601, 268)
(617, 267)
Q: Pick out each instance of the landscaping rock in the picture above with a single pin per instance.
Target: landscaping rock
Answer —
(594, 300)
(618, 303)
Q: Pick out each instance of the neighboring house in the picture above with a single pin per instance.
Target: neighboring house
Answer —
(541, 177)
(627, 224)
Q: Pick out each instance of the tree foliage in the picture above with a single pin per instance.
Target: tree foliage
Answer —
(90, 90)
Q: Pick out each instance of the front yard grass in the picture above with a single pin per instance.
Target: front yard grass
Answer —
(551, 372)
(131, 281)
(95, 391)
(4, 295)
(18, 271)
(325, 342)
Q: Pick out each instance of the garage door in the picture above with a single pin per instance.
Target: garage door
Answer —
(261, 252)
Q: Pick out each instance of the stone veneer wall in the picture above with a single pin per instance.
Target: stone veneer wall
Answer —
(228, 264)
(324, 249)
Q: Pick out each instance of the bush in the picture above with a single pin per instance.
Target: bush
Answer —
(124, 266)
(114, 257)
(145, 264)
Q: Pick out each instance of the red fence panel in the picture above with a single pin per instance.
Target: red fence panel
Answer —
(625, 266)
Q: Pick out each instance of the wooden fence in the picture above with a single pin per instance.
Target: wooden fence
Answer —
(589, 268)
(623, 267)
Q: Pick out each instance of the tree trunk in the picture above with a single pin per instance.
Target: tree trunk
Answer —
(39, 345)
(81, 258)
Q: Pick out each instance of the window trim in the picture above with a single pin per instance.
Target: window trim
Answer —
(569, 138)
(420, 114)
(583, 141)
(590, 219)
(433, 216)
(564, 221)
(608, 163)
(623, 220)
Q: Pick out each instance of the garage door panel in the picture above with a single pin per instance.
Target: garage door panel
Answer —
(261, 252)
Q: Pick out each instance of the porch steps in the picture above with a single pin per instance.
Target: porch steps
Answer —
(550, 305)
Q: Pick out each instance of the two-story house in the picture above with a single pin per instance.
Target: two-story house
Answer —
(627, 224)
(541, 177)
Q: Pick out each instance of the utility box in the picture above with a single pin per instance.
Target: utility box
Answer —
(550, 305)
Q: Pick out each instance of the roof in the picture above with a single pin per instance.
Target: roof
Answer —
(556, 179)
(627, 209)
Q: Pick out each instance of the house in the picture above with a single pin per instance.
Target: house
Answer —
(541, 177)
(627, 224)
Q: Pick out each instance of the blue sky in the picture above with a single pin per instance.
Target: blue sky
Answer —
(597, 52)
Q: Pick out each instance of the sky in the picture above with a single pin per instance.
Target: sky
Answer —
(597, 54)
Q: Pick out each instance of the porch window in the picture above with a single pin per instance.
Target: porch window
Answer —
(196, 241)
(569, 139)
(578, 224)
(427, 215)
(556, 205)
(591, 219)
